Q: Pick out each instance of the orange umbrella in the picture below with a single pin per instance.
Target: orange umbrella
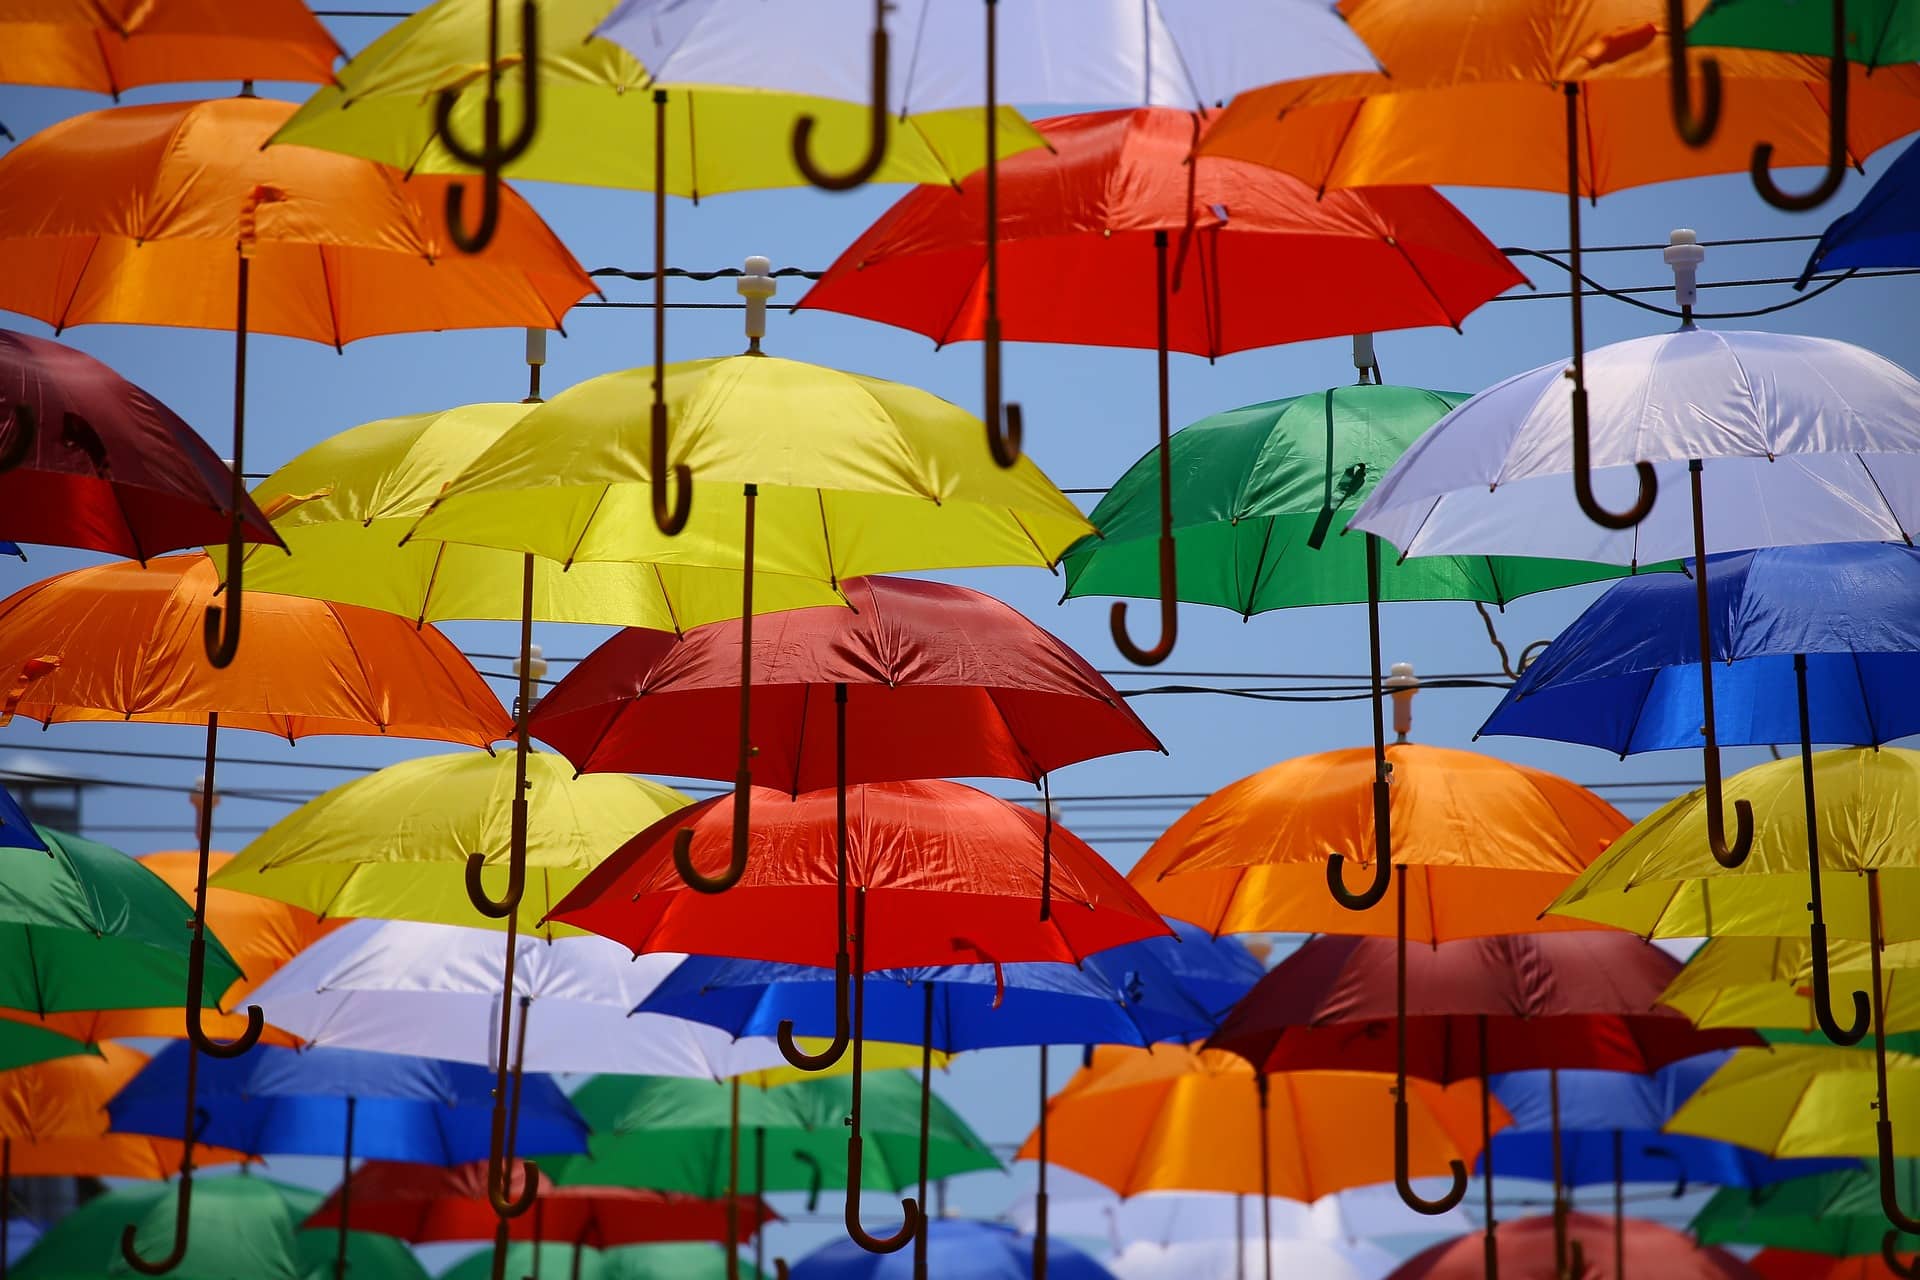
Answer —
(1491, 841)
(259, 933)
(117, 643)
(1470, 102)
(166, 214)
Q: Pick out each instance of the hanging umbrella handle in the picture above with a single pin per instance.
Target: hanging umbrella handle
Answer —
(494, 152)
(1823, 996)
(1889, 1254)
(1404, 1184)
(1583, 476)
(842, 1026)
(876, 117)
(1837, 77)
(1694, 131)
(909, 1210)
(221, 629)
(183, 1210)
(1889, 1189)
(1726, 855)
(736, 864)
(669, 517)
(482, 901)
(20, 441)
(1006, 425)
(1382, 859)
(1169, 616)
(499, 1178)
(780, 1269)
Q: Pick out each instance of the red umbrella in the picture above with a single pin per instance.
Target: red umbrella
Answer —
(954, 875)
(1602, 1250)
(89, 460)
(1084, 233)
(1789, 1264)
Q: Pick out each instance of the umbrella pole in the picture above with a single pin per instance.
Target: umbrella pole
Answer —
(1619, 1207)
(732, 1264)
(1822, 980)
(1402, 1117)
(926, 1124)
(6, 1198)
(579, 1247)
(220, 627)
(1266, 1180)
(183, 1194)
(1046, 849)
(1727, 856)
(346, 1195)
(1836, 172)
(1486, 1150)
(759, 1191)
(1040, 1196)
(789, 1047)
(1382, 769)
(909, 1209)
(539, 1234)
(1003, 441)
(743, 770)
(669, 518)
(1169, 588)
(1239, 1237)
(1883, 1126)
(1582, 443)
(1559, 1176)
(876, 122)
(197, 947)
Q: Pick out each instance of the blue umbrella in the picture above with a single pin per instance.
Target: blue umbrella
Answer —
(1814, 643)
(16, 828)
(964, 1250)
(1883, 230)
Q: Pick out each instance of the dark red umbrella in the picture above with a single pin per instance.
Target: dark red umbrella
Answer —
(89, 460)
(1788, 1264)
(1116, 237)
(1476, 1007)
(1527, 1253)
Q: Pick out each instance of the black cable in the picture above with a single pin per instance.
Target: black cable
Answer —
(686, 273)
(1673, 313)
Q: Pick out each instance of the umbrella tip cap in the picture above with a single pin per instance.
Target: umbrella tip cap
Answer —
(756, 285)
(1684, 254)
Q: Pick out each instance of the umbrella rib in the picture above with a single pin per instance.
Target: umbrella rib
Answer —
(574, 551)
(1439, 302)
(1036, 771)
(326, 285)
(1882, 495)
(79, 277)
(1259, 565)
(1866, 702)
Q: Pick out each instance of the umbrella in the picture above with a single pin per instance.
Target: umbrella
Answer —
(1090, 222)
(187, 193)
(116, 46)
(985, 1250)
(16, 828)
(54, 1117)
(1768, 982)
(21, 1047)
(114, 469)
(628, 1262)
(1828, 630)
(1225, 1260)
(1837, 1214)
(1787, 1264)
(245, 1227)
(1877, 232)
(1527, 1251)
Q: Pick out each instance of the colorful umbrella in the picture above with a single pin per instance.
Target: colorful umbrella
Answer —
(1879, 231)
(1226, 1260)
(118, 45)
(93, 461)
(1786, 1264)
(986, 1250)
(630, 1262)
(1089, 225)
(1527, 1251)
(54, 1118)
(189, 194)
(16, 828)
(1837, 1214)
(1768, 982)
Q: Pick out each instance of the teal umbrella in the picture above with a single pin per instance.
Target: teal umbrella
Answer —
(629, 1262)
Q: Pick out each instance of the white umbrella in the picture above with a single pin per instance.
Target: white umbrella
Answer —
(1081, 1208)
(434, 990)
(1217, 1260)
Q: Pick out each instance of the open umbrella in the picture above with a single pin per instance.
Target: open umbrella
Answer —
(16, 828)
(628, 1262)
(118, 45)
(1527, 1252)
(187, 193)
(1836, 1214)
(1881, 230)
(986, 1250)
(1090, 222)
(1226, 1260)
(1788, 1264)
(1768, 982)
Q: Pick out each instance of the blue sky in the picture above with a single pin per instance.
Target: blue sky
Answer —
(1090, 413)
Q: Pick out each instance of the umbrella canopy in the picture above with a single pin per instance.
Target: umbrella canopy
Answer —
(425, 1204)
(1767, 982)
(1251, 486)
(1013, 701)
(952, 875)
(1881, 230)
(1625, 675)
(1880, 33)
(1225, 1260)
(394, 844)
(22, 1044)
(1524, 1000)
(242, 1227)
(1787, 1264)
(1837, 1213)
(1077, 252)
(120, 642)
(339, 249)
(122, 44)
(16, 828)
(1802, 1100)
(84, 927)
(1173, 1118)
(313, 1101)
(1528, 1252)
(54, 1118)
(434, 990)
(1160, 989)
(955, 1247)
(1252, 856)
(672, 1135)
(105, 465)
(630, 1262)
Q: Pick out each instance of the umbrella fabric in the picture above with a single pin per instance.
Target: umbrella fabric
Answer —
(950, 875)
(1012, 700)
(1660, 879)
(1470, 98)
(1077, 255)
(1837, 1213)
(121, 642)
(1532, 1000)
(109, 468)
(425, 1204)
(1802, 1100)
(956, 1248)
(1160, 989)
(672, 1135)
(16, 828)
(1768, 982)
(1080, 1208)
(241, 1227)
(1173, 1118)
(1825, 448)
(1786, 1264)
(434, 990)
(118, 45)
(1527, 1252)
(721, 139)
(85, 927)
(54, 1115)
(1598, 1106)
(295, 1102)
(22, 1044)
(1881, 230)
(1224, 1260)
(394, 844)
(630, 1262)
(1880, 33)
(1250, 486)
(132, 215)
(1251, 857)
(1626, 676)
(855, 476)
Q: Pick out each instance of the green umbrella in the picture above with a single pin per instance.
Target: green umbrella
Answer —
(245, 1228)
(85, 927)
(628, 1262)
(22, 1044)
(1880, 33)
(1834, 1213)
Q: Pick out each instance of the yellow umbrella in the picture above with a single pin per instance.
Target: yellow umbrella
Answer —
(879, 1055)
(1800, 1100)
(1768, 982)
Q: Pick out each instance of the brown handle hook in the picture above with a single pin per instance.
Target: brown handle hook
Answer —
(20, 440)
(221, 630)
(482, 901)
(1006, 425)
(1169, 616)
(842, 1026)
(876, 119)
(1694, 131)
(508, 1206)
(669, 516)
(1382, 859)
(1889, 1188)
(1823, 996)
(183, 1210)
(1836, 172)
(494, 152)
(1889, 1254)
(1403, 1184)
(909, 1210)
(736, 864)
(1583, 477)
(1726, 855)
